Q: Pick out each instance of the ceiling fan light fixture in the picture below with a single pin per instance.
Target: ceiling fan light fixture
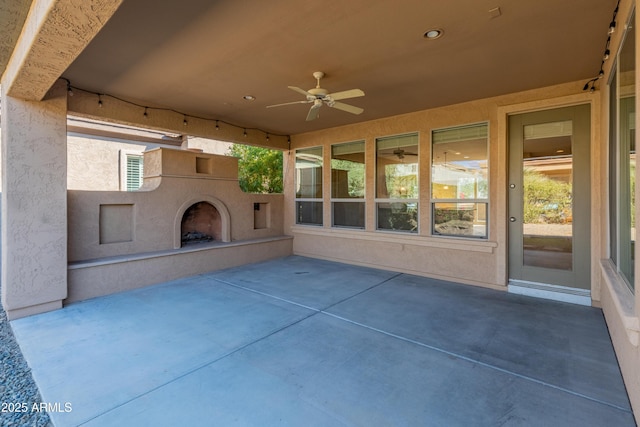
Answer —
(433, 34)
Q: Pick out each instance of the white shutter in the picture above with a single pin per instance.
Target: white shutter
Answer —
(134, 172)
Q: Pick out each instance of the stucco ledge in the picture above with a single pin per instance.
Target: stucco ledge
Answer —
(623, 300)
(448, 242)
(77, 265)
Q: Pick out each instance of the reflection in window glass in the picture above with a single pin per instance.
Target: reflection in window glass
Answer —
(348, 214)
(398, 216)
(547, 192)
(309, 213)
(460, 219)
(460, 181)
(397, 183)
(309, 186)
(347, 184)
(347, 170)
(623, 150)
(613, 168)
(309, 173)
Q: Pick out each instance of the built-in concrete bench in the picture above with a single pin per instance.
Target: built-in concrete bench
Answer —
(103, 276)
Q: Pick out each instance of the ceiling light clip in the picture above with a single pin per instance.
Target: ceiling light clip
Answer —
(590, 85)
(185, 117)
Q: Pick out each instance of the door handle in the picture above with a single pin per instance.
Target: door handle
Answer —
(512, 219)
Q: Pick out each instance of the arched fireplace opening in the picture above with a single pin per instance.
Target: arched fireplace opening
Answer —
(201, 223)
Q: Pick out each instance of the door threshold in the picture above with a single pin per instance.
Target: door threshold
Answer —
(552, 292)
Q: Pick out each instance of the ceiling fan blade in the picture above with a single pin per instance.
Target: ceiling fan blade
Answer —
(346, 94)
(348, 108)
(288, 103)
(314, 112)
(300, 91)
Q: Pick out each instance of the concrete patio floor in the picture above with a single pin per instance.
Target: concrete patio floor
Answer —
(304, 342)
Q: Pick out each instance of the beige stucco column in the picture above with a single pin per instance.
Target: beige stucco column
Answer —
(34, 203)
(34, 158)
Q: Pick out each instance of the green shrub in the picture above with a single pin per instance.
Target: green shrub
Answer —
(546, 200)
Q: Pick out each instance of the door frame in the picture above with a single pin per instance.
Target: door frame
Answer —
(573, 286)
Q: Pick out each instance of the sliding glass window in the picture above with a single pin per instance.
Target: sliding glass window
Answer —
(622, 158)
(347, 184)
(309, 186)
(460, 181)
(397, 183)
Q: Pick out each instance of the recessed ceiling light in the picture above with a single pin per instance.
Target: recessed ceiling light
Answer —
(249, 97)
(436, 33)
(560, 151)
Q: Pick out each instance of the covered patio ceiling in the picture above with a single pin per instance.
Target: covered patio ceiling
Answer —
(201, 57)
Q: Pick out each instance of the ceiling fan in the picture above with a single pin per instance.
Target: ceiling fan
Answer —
(319, 96)
(401, 153)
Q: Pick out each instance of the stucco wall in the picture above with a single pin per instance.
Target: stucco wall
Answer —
(208, 145)
(34, 210)
(94, 162)
(172, 184)
(97, 162)
(472, 261)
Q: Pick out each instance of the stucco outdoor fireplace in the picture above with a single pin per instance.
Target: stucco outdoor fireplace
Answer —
(160, 232)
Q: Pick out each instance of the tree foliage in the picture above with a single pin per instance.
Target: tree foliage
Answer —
(546, 200)
(355, 175)
(259, 169)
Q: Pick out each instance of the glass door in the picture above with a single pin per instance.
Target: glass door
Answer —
(549, 192)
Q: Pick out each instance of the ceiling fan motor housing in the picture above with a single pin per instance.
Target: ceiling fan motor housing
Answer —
(318, 92)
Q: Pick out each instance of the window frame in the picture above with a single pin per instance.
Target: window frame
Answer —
(358, 200)
(621, 218)
(378, 201)
(314, 200)
(476, 201)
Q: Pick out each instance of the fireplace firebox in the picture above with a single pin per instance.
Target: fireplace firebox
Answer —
(201, 223)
